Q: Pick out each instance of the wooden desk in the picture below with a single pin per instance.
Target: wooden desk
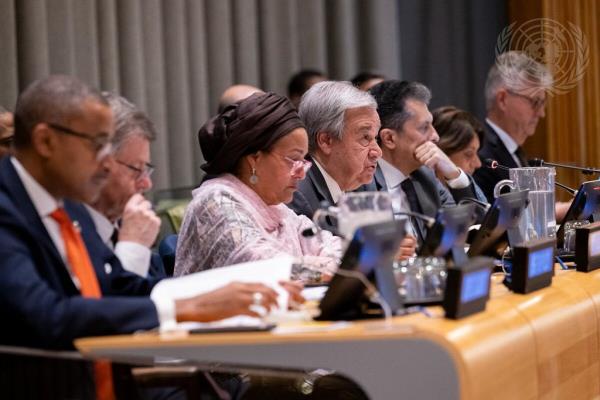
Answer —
(541, 345)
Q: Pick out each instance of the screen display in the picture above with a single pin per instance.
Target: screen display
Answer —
(540, 262)
(594, 244)
(475, 285)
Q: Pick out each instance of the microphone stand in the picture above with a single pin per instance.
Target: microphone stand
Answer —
(583, 170)
(572, 191)
(538, 162)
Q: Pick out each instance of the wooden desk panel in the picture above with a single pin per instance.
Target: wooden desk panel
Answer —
(566, 339)
(541, 345)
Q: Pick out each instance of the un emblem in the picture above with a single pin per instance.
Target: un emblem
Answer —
(564, 50)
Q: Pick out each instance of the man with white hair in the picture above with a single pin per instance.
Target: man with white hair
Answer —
(124, 219)
(515, 93)
(342, 126)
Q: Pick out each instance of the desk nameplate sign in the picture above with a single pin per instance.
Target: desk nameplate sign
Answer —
(532, 265)
(467, 287)
(587, 247)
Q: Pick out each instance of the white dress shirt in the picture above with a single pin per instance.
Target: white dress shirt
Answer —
(508, 141)
(133, 256)
(44, 203)
(393, 178)
(334, 188)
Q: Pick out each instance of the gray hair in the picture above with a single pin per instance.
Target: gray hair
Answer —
(323, 106)
(516, 71)
(129, 120)
(55, 99)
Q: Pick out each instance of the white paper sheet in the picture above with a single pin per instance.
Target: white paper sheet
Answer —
(268, 272)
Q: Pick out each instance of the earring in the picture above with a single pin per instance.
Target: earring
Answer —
(253, 177)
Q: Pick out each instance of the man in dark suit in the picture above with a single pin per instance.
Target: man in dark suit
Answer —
(515, 93)
(124, 219)
(411, 160)
(62, 138)
(342, 126)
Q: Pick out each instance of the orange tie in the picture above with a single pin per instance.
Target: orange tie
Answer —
(82, 268)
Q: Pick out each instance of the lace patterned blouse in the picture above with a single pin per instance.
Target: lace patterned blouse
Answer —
(228, 223)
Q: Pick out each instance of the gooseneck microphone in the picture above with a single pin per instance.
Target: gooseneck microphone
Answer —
(493, 164)
(427, 219)
(572, 191)
(314, 230)
(538, 162)
(483, 205)
(310, 232)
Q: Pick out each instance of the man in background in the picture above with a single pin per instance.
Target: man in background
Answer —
(236, 93)
(411, 159)
(515, 96)
(6, 131)
(301, 81)
(124, 219)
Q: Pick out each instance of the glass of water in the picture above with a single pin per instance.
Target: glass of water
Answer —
(570, 230)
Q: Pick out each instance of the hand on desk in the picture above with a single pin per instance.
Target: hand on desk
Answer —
(233, 299)
(295, 290)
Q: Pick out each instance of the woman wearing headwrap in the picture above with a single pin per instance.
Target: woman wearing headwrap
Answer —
(255, 151)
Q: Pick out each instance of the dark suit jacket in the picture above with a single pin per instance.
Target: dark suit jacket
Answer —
(431, 193)
(312, 192)
(157, 267)
(492, 148)
(40, 305)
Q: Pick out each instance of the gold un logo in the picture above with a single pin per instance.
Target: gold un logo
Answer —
(564, 50)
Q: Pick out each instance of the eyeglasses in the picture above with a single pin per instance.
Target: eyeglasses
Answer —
(535, 103)
(101, 143)
(140, 173)
(7, 141)
(297, 165)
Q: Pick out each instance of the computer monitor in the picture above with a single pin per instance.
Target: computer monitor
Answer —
(447, 237)
(370, 253)
(585, 205)
(491, 239)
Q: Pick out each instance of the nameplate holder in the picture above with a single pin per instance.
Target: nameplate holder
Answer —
(467, 287)
(532, 266)
(587, 247)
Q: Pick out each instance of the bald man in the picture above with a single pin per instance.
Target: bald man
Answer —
(235, 93)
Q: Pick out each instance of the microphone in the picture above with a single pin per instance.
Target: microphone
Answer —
(571, 191)
(484, 206)
(427, 219)
(538, 162)
(493, 164)
(310, 232)
(314, 230)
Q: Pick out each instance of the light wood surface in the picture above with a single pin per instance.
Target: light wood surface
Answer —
(540, 345)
